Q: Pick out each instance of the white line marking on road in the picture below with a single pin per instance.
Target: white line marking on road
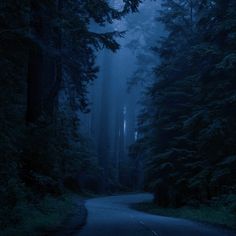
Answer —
(155, 233)
(145, 226)
(141, 222)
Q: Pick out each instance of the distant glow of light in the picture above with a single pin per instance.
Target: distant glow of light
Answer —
(125, 126)
(136, 135)
(125, 122)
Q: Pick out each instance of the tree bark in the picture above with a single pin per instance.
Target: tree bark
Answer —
(35, 66)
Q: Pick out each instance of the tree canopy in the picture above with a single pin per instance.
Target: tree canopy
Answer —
(187, 126)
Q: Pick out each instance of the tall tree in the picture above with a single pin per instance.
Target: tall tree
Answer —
(186, 139)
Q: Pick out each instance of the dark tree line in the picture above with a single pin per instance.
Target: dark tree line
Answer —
(187, 127)
(47, 61)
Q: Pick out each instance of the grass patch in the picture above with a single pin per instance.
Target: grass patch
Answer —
(49, 213)
(219, 215)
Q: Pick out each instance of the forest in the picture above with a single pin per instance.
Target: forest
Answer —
(104, 97)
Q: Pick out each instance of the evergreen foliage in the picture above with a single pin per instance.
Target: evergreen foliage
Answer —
(47, 60)
(187, 127)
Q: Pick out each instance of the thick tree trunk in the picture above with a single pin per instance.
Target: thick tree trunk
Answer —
(44, 68)
(53, 64)
(35, 66)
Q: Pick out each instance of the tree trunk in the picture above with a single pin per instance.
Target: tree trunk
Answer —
(44, 68)
(35, 66)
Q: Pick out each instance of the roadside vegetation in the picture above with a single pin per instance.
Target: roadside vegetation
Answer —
(220, 212)
(33, 219)
(187, 127)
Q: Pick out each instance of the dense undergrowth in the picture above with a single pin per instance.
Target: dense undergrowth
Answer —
(34, 218)
(221, 212)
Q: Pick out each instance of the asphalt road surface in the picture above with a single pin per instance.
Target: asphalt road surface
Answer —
(111, 216)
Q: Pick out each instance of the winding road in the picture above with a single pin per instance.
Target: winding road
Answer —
(111, 216)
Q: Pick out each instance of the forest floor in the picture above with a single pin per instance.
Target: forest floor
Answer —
(220, 215)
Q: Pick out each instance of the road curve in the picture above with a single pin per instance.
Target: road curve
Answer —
(111, 216)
